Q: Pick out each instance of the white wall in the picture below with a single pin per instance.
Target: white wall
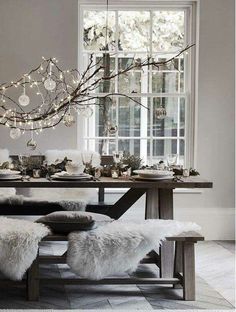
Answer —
(32, 28)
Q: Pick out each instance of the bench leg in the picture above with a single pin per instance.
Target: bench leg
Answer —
(33, 281)
(188, 271)
(178, 263)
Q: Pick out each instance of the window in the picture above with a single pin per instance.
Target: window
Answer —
(137, 32)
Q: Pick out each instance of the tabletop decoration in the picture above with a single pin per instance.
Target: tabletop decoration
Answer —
(131, 161)
(5, 165)
(180, 172)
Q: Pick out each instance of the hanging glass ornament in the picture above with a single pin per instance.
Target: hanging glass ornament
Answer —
(160, 113)
(32, 144)
(112, 129)
(86, 111)
(23, 99)
(68, 120)
(15, 133)
(49, 84)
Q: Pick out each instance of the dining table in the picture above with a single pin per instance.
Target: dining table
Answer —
(159, 201)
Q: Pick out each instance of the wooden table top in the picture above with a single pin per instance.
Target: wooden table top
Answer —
(105, 182)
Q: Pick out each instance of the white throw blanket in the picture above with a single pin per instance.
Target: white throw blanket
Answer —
(19, 241)
(118, 247)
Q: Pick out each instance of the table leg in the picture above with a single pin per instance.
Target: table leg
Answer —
(167, 248)
(159, 205)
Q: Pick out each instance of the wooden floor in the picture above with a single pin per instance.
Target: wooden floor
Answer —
(215, 287)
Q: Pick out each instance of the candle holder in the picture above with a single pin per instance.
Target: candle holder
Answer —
(115, 173)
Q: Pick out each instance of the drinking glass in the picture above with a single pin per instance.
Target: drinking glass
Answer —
(24, 161)
(172, 159)
(117, 156)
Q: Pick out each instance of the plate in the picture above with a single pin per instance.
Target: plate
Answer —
(154, 173)
(8, 172)
(71, 178)
(66, 174)
(152, 178)
(11, 177)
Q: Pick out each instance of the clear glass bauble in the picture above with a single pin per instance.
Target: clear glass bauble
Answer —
(86, 111)
(24, 100)
(15, 133)
(32, 144)
(160, 113)
(49, 84)
(112, 129)
(68, 120)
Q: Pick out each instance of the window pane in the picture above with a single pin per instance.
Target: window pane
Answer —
(168, 125)
(108, 62)
(165, 82)
(170, 66)
(134, 31)
(135, 81)
(129, 118)
(105, 114)
(103, 146)
(182, 117)
(168, 30)
(132, 146)
(181, 152)
(161, 148)
(95, 34)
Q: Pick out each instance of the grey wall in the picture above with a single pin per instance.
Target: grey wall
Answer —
(32, 28)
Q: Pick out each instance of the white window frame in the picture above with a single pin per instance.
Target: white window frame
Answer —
(191, 81)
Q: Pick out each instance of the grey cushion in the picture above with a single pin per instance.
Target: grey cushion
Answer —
(64, 222)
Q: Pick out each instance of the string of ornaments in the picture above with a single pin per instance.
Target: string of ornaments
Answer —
(47, 96)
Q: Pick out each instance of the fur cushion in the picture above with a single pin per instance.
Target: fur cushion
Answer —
(118, 247)
(65, 222)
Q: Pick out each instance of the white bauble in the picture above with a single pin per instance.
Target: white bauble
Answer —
(15, 133)
(49, 84)
(24, 100)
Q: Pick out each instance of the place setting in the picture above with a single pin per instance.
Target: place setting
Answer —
(8, 175)
(65, 176)
(153, 174)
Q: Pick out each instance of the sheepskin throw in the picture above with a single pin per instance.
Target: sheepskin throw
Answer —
(68, 199)
(19, 245)
(118, 247)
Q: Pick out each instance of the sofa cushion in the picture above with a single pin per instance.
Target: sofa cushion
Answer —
(64, 222)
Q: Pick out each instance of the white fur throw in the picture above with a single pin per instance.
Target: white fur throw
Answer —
(68, 199)
(19, 245)
(118, 247)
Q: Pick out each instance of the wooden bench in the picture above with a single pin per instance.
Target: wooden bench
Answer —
(184, 268)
